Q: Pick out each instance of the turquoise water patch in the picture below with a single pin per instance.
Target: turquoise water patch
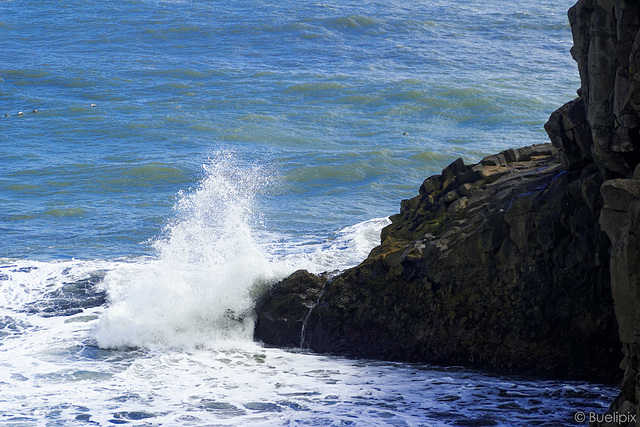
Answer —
(65, 212)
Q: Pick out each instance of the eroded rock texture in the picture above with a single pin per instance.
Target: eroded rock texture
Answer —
(498, 265)
(620, 218)
(281, 312)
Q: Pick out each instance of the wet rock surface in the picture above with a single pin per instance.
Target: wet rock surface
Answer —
(621, 220)
(281, 313)
(505, 271)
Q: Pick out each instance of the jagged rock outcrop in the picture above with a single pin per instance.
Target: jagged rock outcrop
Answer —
(606, 48)
(621, 220)
(498, 265)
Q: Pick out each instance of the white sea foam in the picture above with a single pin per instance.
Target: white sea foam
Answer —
(343, 249)
(25, 282)
(199, 291)
(255, 386)
(187, 311)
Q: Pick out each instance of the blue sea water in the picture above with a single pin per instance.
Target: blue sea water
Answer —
(173, 158)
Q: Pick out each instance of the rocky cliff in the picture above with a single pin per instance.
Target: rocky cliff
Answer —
(526, 262)
(607, 50)
(498, 265)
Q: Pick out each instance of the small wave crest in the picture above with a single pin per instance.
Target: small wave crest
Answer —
(64, 212)
(353, 22)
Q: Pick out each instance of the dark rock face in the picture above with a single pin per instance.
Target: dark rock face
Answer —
(621, 220)
(570, 133)
(606, 48)
(498, 265)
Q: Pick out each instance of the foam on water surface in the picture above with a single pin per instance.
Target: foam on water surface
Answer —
(250, 385)
(167, 340)
(352, 106)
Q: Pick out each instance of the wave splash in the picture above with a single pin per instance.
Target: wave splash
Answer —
(199, 290)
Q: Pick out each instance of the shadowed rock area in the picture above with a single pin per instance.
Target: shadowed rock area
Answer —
(499, 265)
(281, 313)
(527, 262)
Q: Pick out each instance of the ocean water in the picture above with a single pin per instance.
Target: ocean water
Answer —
(175, 158)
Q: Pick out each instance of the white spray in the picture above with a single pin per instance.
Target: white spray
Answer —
(199, 290)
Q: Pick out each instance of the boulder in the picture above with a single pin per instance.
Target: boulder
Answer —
(281, 313)
(515, 278)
